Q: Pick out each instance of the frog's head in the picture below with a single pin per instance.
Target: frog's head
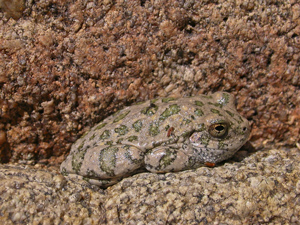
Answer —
(221, 132)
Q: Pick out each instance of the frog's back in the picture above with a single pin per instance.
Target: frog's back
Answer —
(153, 122)
(141, 125)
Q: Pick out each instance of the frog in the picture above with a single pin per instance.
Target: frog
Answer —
(161, 135)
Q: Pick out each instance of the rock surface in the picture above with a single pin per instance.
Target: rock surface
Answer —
(263, 188)
(65, 65)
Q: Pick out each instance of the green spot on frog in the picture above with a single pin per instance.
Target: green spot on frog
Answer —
(199, 103)
(121, 130)
(119, 141)
(201, 127)
(132, 138)
(84, 134)
(92, 137)
(186, 134)
(222, 145)
(151, 110)
(64, 171)
(109, 143)
(166, 100)
(129, 156)
(204, 140)
(224, 100)
(80, 146)
(215, 111)
(168, 158)
(207, 96)
(186, 121)
(91, 173)
(229, 113)
(105, 135)
(199, 112)
(137, 125)
(240, 119)
(121, 116)
(101, 125)
(215, 104)
(152, 101)
(139, 103)
(154, 129)
(172, 110)
(167, 127)
(77, 160)
(107, 159)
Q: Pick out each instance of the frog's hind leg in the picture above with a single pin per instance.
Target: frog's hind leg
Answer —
(111, 162)
(166, 159)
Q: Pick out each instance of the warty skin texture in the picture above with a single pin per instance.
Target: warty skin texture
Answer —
(159, 135)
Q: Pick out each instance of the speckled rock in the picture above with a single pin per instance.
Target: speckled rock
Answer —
(33, 195)
(263, 188)
(13, 8)
(65, 65)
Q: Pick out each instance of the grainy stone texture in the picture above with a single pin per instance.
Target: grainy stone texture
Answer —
(13, 8)
(33, 195)
(264, 188)
(65, 65)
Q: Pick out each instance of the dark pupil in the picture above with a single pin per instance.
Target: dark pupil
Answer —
(219, 128)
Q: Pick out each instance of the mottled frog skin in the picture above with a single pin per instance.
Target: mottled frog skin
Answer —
(159, 135)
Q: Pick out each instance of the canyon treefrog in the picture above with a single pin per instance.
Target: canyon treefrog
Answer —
(159, 135)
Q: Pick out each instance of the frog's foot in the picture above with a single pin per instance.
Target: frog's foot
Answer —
(100, 183)
(166, 159)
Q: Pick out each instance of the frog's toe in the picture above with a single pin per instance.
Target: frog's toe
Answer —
(100, 183)
(103, 183)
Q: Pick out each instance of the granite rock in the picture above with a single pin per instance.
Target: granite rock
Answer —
(65, 65)
(262, 188)
(34, 195)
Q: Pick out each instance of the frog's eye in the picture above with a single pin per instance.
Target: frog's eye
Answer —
(218, 130)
